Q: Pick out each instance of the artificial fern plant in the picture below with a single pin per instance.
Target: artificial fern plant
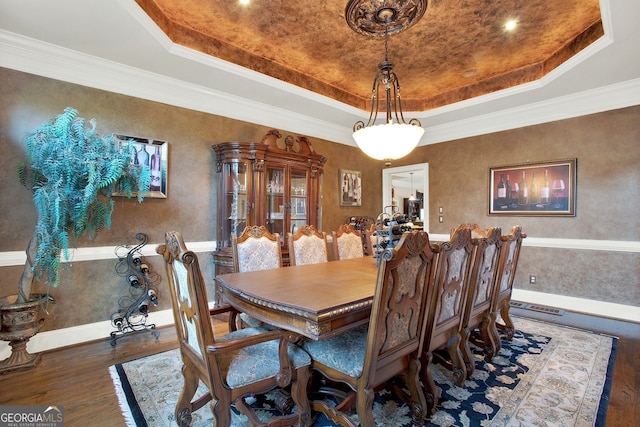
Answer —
(73, 173)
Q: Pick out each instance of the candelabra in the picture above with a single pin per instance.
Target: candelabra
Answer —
(133, 311)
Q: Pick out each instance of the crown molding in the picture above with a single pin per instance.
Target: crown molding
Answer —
(612, 97)
(40, 58)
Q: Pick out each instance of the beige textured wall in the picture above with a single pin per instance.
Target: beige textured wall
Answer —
(607, 149)
(605, 144)
(90, 290)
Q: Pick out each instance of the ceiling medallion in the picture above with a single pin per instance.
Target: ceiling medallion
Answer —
(375, 17)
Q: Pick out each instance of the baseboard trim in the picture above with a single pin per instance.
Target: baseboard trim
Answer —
(579, 305)
(51, 340)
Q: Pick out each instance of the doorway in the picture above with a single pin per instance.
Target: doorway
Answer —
(407, 181)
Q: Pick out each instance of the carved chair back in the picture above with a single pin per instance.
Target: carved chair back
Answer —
(347, 242)
(390, 345)
(482, 284)
(256, 249)
(509, 256)
(233, 366)
(444, 322)
(307, 246)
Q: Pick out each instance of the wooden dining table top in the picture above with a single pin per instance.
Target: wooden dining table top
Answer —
(315, 300)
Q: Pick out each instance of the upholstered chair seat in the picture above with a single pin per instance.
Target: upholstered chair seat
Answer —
(344, 352)
(251, 364)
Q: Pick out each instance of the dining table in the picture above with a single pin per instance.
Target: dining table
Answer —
(314, 300)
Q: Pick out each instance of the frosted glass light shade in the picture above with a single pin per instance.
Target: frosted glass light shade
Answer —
(388, 141)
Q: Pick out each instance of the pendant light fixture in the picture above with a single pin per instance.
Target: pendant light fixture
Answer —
(412, 197)
(394, 138)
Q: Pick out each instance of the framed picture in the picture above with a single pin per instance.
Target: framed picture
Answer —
(350, 188)
(534, 189)
(154, 155)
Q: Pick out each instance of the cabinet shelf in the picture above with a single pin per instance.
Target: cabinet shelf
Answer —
(247, 175)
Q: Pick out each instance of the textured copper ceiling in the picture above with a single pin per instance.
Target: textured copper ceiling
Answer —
(457, 51)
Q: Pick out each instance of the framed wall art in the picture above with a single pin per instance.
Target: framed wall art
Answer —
(153, 154)
(534, 189)
(350, 184)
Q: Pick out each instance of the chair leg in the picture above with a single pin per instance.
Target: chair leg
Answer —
(432, 392)
(509, 328)
(364, 407)
(418, 400)
(489, 335)
(221, 413)
(457, 361)
(465, 351)
(189, 387)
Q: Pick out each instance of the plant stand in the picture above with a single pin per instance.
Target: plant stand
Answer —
(19, 323)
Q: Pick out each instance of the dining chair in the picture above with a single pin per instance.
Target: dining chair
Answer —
(347, 242)
(389, 347)
(478, 321)
(234, 366)
(255, 249)
(509, 256)
(307, 246)
(444, 322)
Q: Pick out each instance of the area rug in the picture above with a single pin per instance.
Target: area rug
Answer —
(547, 375)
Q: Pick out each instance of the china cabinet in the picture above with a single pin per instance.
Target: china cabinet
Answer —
(276, 182)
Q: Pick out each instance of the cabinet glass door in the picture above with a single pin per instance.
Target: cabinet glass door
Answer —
(234, 208)
(299, 192)
(276, 204)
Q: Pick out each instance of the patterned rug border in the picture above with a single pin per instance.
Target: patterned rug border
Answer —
(134, 415)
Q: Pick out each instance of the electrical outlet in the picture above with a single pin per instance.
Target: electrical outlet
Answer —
(532, 279)
(441, 219)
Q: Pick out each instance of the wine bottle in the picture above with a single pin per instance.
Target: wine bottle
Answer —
(133, 280)
(544, 191)
(507, 186)
(144, 268)
(153, 297)
(142, 156)
(533, 192)
(143, 307)
(523, 197)
(117, 320)
(502, 191)
(156, 170)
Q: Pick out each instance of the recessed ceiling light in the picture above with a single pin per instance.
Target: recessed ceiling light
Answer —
(244, 2)
(511, 25)
(470, 73)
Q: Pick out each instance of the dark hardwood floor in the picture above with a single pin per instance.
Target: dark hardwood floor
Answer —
(77, 377)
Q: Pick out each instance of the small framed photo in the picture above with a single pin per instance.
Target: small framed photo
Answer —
(534, 189)
(153, 154)
(350, 184)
